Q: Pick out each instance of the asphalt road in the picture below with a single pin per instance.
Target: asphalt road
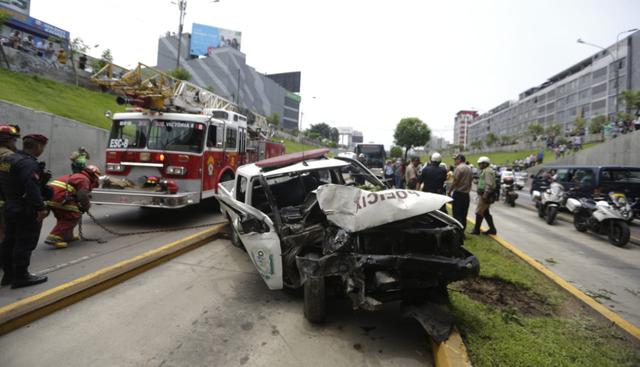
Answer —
(209, 307)
(81, 258)
(609, 274)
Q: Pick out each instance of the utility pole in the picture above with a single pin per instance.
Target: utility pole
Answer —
(182, 5)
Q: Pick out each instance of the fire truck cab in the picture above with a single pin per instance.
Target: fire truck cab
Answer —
(171, 160)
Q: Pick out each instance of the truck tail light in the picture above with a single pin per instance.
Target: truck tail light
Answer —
(115, 167)
(176, 170)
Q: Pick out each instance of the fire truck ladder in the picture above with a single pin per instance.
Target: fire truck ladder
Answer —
(150, 88)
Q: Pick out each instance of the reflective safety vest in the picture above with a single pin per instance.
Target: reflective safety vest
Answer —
(62, 185)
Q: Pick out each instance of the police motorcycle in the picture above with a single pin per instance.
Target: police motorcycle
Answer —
(619, 201)
(508, 191)
(549, 201)
(599, 216)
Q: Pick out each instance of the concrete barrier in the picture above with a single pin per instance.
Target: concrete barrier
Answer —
(623, 150)
(64, 135)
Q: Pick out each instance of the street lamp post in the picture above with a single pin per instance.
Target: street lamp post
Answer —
(615, 61)
(182, 5)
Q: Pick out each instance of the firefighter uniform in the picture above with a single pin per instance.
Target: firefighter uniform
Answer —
(22, 181)
(70, 199)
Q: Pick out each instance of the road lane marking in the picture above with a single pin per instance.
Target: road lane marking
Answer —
(29, 309)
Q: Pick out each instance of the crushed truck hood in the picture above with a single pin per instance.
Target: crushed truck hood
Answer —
(355, 210)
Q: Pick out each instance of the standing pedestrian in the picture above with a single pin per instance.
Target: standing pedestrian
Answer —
(79, 159)
(433, 177)
(22, 180)
(397, 173)
(486, 186)
(8, 136)
(462, 179)
(411, 174)
(388, 173)
(71, 198)
(540, 156)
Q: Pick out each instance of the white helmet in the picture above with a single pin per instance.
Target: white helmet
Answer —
(361, 155)
(484, 159)
(436, 157)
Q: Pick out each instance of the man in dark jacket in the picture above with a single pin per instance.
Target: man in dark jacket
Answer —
(433, 176)
(22, 181)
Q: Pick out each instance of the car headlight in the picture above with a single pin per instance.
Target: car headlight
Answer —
(176, 170)
(115, 167)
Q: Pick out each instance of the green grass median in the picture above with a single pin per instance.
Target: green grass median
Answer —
(513, 315)
(75, 103)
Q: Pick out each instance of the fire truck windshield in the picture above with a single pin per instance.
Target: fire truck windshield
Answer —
(181, 136)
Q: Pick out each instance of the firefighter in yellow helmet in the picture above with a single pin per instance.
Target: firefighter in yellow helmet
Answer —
(71, 198)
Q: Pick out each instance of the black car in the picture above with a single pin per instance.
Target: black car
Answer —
(584, 180)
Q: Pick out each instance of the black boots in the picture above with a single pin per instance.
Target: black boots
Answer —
(492, 228)
(476, 229)
(27, 279)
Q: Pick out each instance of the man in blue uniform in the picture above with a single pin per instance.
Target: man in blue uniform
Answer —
(22, 181)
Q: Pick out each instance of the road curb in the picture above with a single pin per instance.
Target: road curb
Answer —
(451, 352)
(39, 305)
(602, 310)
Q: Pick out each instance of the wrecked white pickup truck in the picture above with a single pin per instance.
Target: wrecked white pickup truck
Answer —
(329, 224)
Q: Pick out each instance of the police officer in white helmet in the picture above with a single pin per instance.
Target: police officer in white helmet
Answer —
(486, 187)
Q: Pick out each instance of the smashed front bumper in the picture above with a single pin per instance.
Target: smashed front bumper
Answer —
(371, 280)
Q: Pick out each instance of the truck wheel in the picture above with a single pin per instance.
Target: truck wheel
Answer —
(552, 211)
(619, 233)
(315, 305)
(581, 222)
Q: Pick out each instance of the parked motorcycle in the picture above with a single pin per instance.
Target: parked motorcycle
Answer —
(599, 217)
(508, 191)
(549, 201)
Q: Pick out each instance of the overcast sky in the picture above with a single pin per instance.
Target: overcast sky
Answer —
(367, 64)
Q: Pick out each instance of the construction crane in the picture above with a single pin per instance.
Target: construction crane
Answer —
(150, 88)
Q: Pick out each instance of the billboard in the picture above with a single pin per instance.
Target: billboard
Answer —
(20, 6)
(205, 39)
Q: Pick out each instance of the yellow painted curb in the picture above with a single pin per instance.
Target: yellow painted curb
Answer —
(604, 311)
(38, 301)
(452, 352)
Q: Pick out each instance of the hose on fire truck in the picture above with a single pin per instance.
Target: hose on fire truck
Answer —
(124, 234)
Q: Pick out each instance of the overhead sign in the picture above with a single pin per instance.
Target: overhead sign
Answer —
(20, 6)
(206, 39)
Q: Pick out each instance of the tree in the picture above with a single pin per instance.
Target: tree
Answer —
(631, 100)
(4, 17)
(180, 74)
(78, 45)
(579, 125)
(411, 132)
(596, 124)
(491, 139)
(274, 119)
(506, 140)
(395, 152)
(553, 130)
(476, 144)
(323, 130)
(535, 129)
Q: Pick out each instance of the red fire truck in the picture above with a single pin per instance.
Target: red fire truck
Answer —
(177, 144)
